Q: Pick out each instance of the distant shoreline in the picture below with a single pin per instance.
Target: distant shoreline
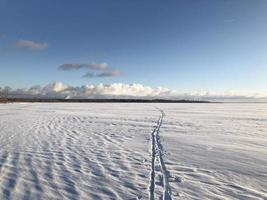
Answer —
(25, 100)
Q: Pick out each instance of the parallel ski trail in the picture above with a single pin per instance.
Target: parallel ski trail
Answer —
(157, 154)
(152, 173)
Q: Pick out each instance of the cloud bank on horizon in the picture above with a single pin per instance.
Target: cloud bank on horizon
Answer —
(121, 90)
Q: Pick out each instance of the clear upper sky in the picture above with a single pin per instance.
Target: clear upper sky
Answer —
(184, 45)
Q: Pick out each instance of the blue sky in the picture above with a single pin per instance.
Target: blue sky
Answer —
(185, 45)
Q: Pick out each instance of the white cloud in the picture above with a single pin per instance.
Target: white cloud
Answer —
(89, 75)
(121, 90)
(105, 70)
(28, 44)
(110, 73)
(99, 66)
(107, 73)
(77, 66)
(54, 87)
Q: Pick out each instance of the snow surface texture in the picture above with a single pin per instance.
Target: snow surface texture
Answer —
(133, 151)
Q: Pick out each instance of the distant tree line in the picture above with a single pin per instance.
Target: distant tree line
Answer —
(4, 93)
(103, 100)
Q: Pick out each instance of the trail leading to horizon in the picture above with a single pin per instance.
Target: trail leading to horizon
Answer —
(157, 155)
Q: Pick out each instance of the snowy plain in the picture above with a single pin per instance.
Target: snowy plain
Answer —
(133, 151)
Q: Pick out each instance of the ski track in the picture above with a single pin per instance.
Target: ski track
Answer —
(157, 153)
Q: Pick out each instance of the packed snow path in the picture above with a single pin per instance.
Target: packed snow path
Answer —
(157, 155)
(106, 151)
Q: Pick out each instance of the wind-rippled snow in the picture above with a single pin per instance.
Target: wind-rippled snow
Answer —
(133, 151)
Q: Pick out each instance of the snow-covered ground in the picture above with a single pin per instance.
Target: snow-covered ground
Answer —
(133, 151)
